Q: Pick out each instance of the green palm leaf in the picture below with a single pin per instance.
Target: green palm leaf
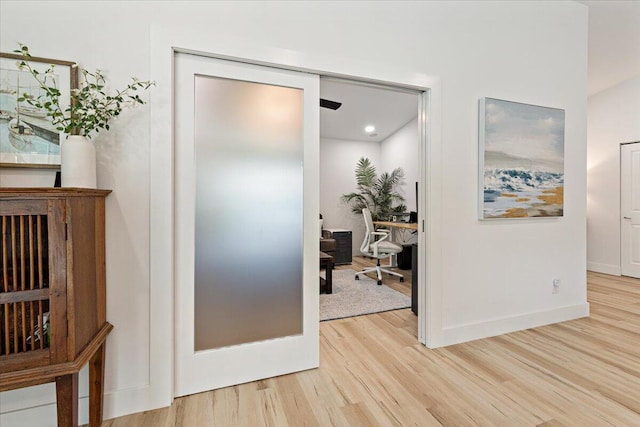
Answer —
(378, 193)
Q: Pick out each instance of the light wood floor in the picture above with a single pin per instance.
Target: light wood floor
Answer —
(372, 372)
(360, 263)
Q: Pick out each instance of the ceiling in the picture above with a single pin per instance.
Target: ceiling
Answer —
(613, 55)
(362, 105)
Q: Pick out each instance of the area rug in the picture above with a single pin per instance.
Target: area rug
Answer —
(353, 297)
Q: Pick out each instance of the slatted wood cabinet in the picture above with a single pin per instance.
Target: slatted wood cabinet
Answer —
(53, 293)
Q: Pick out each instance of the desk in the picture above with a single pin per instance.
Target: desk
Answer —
(413, 226)
(326, 262)
(393, 224)
(414, 258)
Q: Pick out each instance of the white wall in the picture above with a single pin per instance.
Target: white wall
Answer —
(19, 177)
(614, 118)
(401, 150)
(488, 277)
(338, 160)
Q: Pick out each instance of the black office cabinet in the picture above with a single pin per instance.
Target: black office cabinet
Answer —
(414, 279)
(343, 245)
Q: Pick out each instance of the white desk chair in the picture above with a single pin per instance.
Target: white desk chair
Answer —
(379, 249)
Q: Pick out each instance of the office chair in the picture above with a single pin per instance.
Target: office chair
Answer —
(378, 249)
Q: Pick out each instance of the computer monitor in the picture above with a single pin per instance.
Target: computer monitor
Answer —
(413, 216)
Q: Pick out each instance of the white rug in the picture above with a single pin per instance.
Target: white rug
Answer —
(352, 297)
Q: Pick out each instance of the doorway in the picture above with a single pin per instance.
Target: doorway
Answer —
(380, 123)
(164, 216)
(630, 209)
(213, 94)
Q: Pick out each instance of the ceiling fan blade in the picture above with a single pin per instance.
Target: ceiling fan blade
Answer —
(332, 105)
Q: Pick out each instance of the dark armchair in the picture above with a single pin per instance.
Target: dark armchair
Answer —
(327, 244)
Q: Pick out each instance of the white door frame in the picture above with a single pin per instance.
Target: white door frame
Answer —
(164, 43)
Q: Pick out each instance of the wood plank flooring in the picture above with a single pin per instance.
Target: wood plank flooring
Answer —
(373, 372)
(360, 263)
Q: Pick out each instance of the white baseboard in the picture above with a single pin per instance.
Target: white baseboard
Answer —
(116, 404)
(40, 416)
(460, 334)
(131, 400)
(604, 268)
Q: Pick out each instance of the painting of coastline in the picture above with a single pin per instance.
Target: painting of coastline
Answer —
(521, 160)
(27, 137)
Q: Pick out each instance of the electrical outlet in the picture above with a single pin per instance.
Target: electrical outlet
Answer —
(556, 286)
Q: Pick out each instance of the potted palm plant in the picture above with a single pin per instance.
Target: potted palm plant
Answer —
(90, 111)
(378, 193)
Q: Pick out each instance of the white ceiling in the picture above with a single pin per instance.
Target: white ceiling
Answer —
(362, 105)
(614, 56)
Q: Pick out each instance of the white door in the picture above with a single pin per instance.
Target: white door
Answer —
(246, 212)
(630, 201)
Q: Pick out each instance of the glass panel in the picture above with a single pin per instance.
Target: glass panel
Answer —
(248, 225)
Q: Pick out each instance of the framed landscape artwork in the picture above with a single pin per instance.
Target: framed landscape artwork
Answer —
(521, 160)
(27, 137)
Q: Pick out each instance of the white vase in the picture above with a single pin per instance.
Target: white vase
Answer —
(78, 162)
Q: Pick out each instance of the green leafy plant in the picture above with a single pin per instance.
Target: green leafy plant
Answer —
(378, 193)
(90, 108)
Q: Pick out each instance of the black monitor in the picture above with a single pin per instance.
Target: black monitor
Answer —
(413, 216)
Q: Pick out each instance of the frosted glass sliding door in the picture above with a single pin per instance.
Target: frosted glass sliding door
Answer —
(246, 151)
(248, 212)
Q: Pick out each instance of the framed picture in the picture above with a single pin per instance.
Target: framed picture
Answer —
(27, 137)
(521, 152)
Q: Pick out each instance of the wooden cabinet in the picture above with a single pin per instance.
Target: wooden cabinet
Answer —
(53, 293)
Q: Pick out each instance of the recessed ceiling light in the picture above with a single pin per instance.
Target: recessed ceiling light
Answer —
(369, 128)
